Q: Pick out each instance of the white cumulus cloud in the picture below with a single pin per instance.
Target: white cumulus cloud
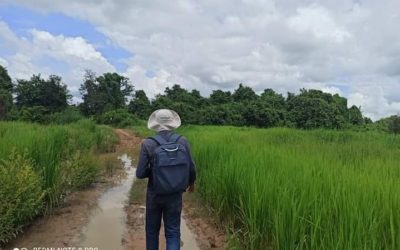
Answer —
(35, 54)
(341, 47)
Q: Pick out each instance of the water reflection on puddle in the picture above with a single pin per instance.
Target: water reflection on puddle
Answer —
(107, 222)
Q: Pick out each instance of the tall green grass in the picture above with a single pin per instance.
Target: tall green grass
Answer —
(291, 189)
(48, 146)
(59, 158)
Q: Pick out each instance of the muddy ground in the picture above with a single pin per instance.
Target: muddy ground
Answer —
(64, 227)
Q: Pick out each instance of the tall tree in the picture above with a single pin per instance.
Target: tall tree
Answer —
(6, 88)
(222, 114)
(5, 80)
(51, 94)
(182, 101)
(260, 114)
(197, 100)
(341, 104)
(5, 103)
(314, 109)
(244, 94)
(140, 104)
(104, 93)
(394, 124)
(273, 99)
(355, 116)
(220, 97)
(177, 93)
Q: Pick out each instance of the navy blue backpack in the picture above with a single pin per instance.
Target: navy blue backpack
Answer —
(171, 165)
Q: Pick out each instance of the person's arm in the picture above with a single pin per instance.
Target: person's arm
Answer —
(192, 170)
(143, 166)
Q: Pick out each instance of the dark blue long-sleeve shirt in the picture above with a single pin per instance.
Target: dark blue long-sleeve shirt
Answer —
(143, 169)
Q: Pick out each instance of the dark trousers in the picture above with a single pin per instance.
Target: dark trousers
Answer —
(167, 207)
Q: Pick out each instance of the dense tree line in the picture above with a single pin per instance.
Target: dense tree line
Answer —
(32, 100)
(111, 99)
(308, 109)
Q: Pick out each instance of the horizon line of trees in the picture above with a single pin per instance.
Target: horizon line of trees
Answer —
(105, 98)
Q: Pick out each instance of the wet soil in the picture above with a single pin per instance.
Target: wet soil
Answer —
(63, 227)
(202, 221)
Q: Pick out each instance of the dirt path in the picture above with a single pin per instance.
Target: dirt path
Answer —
(209, 234)
(75, 218)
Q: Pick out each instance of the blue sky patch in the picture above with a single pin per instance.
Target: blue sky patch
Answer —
(150, 73)
(21, 20)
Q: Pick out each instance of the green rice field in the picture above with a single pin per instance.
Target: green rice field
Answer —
(292, 189)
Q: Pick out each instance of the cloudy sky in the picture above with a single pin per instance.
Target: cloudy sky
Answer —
(350, 47)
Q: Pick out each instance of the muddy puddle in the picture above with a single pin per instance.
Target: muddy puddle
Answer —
(107, 222)
(187, 237)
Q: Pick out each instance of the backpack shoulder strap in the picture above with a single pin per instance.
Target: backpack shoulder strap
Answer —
(158, 139)
(174, 137)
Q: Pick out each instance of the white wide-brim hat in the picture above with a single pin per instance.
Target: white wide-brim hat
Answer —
(164, 119)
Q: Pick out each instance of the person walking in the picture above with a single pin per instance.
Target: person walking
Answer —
(165, 159)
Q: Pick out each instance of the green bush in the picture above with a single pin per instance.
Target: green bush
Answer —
(43, 115)
(33, 114)
(69, 115)
(21, 195)
(80, 171)
(105, 140)
(118, 118)
(394, 124)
